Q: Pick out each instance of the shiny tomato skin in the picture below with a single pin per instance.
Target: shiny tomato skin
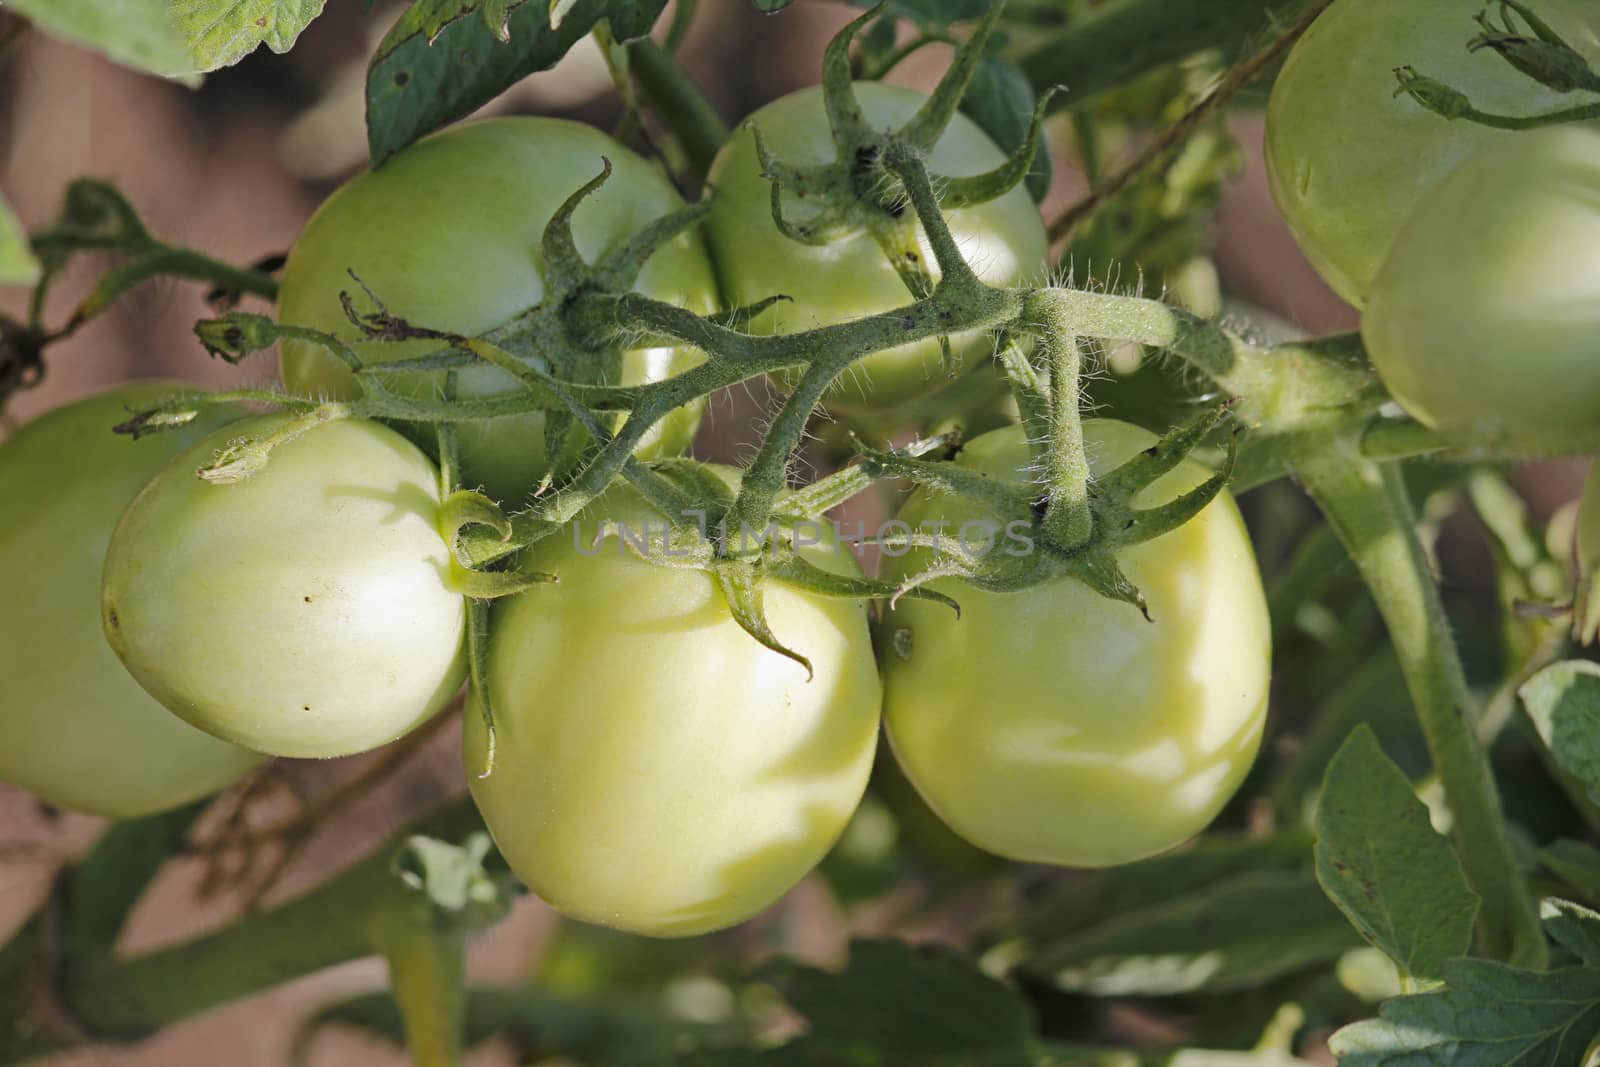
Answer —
(1349, 160)
(75, 728)
(1484, 322)
(658, 770)
(308, 611)
(1056, 726)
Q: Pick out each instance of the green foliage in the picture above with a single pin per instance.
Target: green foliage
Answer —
(1563, 703)
(1489, 1014)
(1226, 916)
(18, 265)
(222, 32)
(136, 33)
(437, 65)
(896, 1005)
(1381, 862)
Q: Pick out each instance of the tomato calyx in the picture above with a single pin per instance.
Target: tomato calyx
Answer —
(1545, 57)
(860, 191)
(1539, 53)
(1022, 509)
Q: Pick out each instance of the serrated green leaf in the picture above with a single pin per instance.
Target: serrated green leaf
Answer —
(1382, 863)
(1489, 1015)
(18, 265)
(1228, 915)
(1563, 701)
(1000, 100)
(429, 72)
(136, 33)
(222, 32)
(429, 17)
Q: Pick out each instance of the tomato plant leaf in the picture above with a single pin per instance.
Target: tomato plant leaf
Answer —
(1563, 700)
(436, 66)
(136, 33)
(1488, 1015)
(1239, 933)
(1000, 100)
(899, 1005)
(18, 265)
(1380, 860)
(1576, 864)
(222, 32)
(1576, 927)
(1228, 915)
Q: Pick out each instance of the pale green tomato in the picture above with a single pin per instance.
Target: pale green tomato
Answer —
(657, 769)
(448, 234)
(1056, 726)
(306, 611)
(1349, 160)
(1485, 320)
(1004, 241)
(75, 728)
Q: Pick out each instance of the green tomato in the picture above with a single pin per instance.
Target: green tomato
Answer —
(1056, 726)
(448, 235)
(1349, 160)
(75, 728)
(657, 769)
(1004, 241)
(307, 611)
(1485, 320)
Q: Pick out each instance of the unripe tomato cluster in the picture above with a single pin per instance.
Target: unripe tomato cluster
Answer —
(655, 768)
(1473, 250)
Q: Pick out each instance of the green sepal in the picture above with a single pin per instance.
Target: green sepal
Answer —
(564, 265)
(931, 120)
(477, 681)
(990, 185)
(741, 584)
(802, 574)
(618, 269)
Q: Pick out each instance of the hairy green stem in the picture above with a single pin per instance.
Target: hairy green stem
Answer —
(1367, 506)
(1067, 519)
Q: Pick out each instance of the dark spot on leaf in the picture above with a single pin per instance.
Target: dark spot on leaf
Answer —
(308, 600)
(111, 617)
(402, 77)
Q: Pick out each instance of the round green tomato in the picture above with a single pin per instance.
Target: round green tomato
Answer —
(1004, 241)
(1056, 726)
(656, 768)
(75, 728)
(1485, 320)
(448, 235)
(1349, 160)
(307, 611)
